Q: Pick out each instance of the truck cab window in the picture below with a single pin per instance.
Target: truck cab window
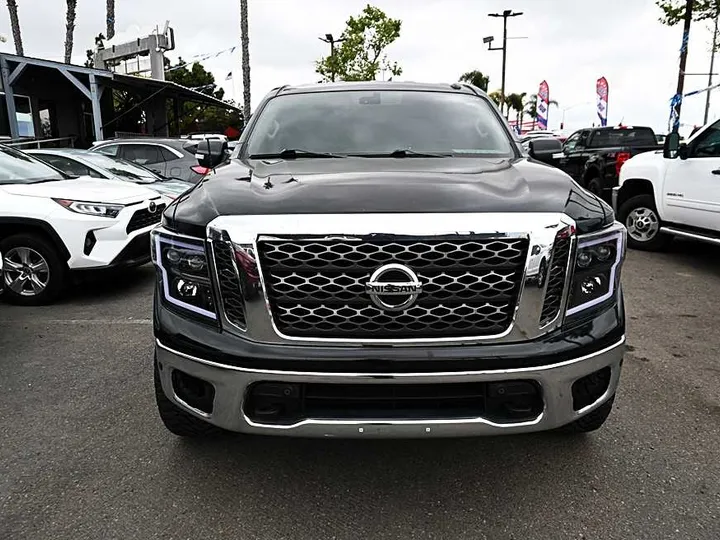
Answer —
(708, 143)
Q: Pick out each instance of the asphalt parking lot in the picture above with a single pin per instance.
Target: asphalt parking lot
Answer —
(84, 455)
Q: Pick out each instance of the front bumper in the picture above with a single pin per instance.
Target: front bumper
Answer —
(231, 384)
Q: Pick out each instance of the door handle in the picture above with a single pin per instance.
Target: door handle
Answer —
(716, 171)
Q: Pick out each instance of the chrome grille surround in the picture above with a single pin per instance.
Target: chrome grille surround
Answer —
(538, 230)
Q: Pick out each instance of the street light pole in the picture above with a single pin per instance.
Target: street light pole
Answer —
(332, 41)
(505, 14)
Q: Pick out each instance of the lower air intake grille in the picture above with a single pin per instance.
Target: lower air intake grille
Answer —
(229, 283)
(556, 280)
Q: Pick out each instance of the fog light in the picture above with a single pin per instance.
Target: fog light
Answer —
(186, 289)
(90, 241)
(591, 285)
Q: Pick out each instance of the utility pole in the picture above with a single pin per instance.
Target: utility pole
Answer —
(332, 41)
(677, 100)
(712, 65)
(505, 14)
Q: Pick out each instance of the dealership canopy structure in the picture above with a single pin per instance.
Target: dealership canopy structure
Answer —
(42, 99)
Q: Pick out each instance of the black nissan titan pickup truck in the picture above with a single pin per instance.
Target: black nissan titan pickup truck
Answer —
(382, 259)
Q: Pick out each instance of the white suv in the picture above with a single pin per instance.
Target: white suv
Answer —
(51, 224)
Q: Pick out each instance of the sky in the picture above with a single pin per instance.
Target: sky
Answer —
(568, 43)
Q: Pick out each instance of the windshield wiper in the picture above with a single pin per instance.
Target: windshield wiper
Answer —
(406, 152)
(69, 177)
(293, 153)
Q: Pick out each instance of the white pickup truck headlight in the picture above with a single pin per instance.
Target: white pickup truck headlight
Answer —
(185, 275)
(598, 262)
(91, 208)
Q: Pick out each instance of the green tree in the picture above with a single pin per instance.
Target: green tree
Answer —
(516, 102)
(361, 55)
(194, 117)
(476, 78)
(673, 11)
(245, 45)
(496, 97)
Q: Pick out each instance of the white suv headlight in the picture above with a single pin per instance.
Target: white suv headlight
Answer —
(91, 208)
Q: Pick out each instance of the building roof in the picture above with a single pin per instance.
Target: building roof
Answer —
(117, 80)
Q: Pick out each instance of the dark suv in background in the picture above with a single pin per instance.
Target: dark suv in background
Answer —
(173, 158)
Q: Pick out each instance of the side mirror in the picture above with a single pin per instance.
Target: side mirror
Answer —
(544, 149)
(211, 153)
(671, 146)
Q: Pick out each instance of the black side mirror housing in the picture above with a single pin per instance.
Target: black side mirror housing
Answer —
(544, 149)
(683, 151)
(211, 152)
(671, 146)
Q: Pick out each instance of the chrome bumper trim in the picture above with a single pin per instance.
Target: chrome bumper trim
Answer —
(231, 383)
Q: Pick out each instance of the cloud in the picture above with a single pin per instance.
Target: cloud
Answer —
(570, 43)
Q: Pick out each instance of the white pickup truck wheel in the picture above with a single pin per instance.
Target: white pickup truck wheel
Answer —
(640, 217)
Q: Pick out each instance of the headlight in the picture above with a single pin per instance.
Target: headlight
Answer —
(184, 271)
(90, 208)
(598, 263)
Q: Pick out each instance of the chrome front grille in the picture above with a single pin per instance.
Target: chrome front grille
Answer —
(316, 287)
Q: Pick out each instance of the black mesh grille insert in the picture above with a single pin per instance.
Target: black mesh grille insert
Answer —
(229, 283)
(556, 280)
(144, 218)
(317, 287)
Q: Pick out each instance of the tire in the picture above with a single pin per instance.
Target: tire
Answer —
(591, 421)
(643, 206)
(177, 421)
(36, 250)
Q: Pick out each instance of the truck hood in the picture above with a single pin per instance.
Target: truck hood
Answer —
(370, 185)
(84, 189)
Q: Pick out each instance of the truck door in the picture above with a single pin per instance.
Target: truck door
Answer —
(692, 186)
(575, 154)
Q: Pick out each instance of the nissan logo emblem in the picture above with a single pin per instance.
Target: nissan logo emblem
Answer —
(393, 287)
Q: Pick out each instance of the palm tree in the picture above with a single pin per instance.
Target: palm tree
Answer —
(476, 78)
(496, 97)
(110, 11)
(245, 42)
(70, 29)
(516, 103)
(531, 107)
(15, 24)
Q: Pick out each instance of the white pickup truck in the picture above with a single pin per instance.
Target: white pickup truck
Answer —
(675, 192)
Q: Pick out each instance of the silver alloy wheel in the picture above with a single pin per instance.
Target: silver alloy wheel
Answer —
(642, 224)
(26, 271)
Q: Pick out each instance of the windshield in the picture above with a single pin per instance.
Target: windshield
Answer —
(19, 168)
(122, 168)
(380, 122)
